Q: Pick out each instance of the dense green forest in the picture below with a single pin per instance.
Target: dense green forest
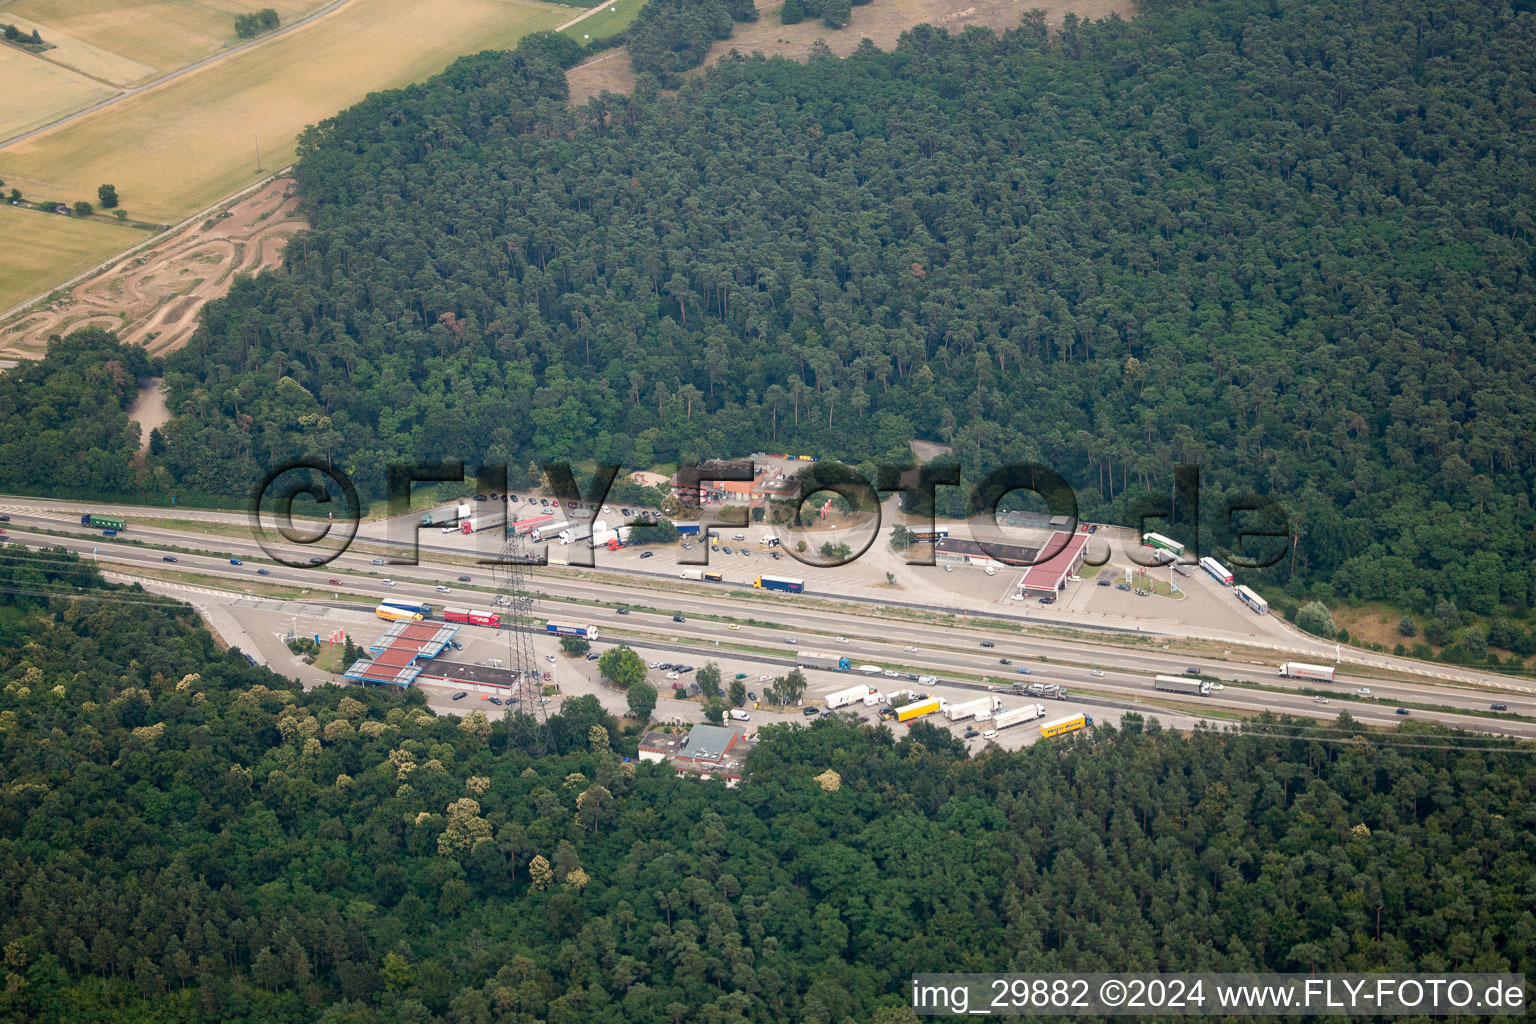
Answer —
(186, 838)
(63, 423)
(1290, 242)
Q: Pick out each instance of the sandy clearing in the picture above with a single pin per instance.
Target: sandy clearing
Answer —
(882, 22)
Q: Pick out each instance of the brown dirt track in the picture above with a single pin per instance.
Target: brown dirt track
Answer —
(152, 298)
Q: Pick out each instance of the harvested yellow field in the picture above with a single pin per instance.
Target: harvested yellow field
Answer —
(177, 148)
(45, 249)
(36, 92)
(163, 34)
(112, 68)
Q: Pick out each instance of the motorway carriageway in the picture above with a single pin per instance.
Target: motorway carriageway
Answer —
(1127, 672)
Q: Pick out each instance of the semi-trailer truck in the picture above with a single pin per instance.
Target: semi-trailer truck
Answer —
(870, 670)
(447, 514)
(1015, 716)
(981, 708)
(421, 608)
(917, 709)
(1057, 726)
(1220, 573)
(525, 527)
(852, 695)
(101, 522)
(547, 531)
(783, 583)
(1252, 600)
(389, 613)
(1297, 670)
(1180, 684)
(830, 662)
(559, 629)
(482, 521)
(472, 617)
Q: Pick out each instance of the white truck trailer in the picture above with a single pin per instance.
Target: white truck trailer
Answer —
(852, 695)
(981, 709)
(1182, 684)
(1014, 716)
(1297, 670)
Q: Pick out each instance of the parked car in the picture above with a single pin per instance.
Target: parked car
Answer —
(512, 498)
(1122, 586)
(646, 554)
(167, 558)
(549, 658)
(496, 701)
(673, 675)
(811, 712)
(460, 695)
(1104, 583)
(751, 695)
(480, 497)
(593, 655)
(263, 572)
(972, 732)
(455, 645)
(1047, 600)
(624, 512)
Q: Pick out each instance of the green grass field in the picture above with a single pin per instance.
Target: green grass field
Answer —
(35, 92)
(42, 250)
(606, 22)
(163, 34)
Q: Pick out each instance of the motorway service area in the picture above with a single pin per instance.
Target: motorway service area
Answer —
(959, 644)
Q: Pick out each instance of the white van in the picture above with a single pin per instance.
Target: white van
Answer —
(989, 734)
(738, 715)
(991, 570)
